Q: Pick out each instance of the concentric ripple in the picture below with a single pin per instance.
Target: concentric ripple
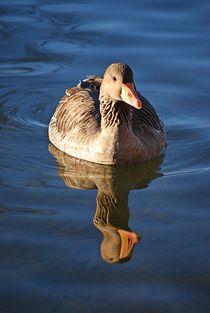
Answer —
(28, 69)
(31, 118)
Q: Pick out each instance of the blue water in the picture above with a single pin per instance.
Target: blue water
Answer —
(54, 253)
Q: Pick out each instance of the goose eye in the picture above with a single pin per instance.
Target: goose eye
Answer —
(114, 78)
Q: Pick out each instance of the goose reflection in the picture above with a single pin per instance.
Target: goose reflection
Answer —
(112, 211)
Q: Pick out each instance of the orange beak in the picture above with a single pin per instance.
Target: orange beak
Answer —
(128, 239)
(130, 96)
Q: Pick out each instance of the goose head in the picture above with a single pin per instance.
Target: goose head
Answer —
(118, 85)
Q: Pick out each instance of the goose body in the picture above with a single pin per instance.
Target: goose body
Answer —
(105, 120)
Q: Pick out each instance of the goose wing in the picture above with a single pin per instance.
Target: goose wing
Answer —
(78, 111)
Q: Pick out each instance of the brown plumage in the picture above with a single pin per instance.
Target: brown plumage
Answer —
(107, 121)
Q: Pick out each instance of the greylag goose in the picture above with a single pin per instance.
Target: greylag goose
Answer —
(105, 120)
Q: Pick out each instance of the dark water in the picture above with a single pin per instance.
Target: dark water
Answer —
(52, 256)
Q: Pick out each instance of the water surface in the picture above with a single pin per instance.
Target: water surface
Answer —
(64, 222)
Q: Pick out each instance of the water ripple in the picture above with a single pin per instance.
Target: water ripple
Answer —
(65, 8)
(23, 211)
(17, 116)
(59, 47)
(28, 69)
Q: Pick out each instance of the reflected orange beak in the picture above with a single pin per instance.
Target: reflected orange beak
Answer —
(130, 96)
(128, 241)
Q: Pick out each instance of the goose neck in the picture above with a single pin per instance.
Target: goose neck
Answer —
(114, 113)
